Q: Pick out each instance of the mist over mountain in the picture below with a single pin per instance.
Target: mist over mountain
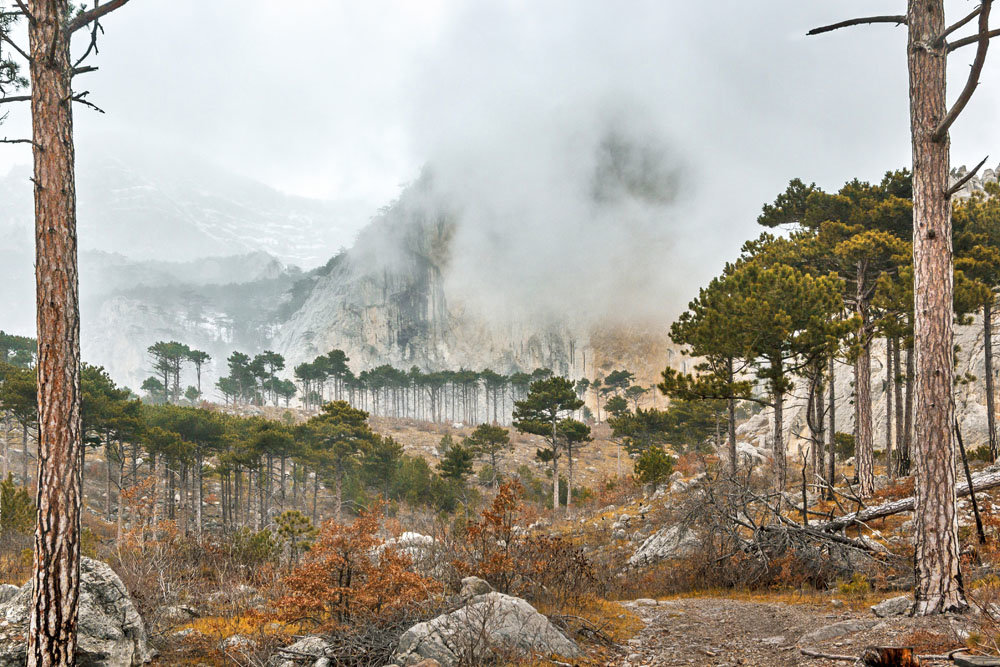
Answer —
(149, 203)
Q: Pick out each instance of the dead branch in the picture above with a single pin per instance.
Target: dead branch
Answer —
(828, 656)
(15, 98)
(958, 25)
(87, 17)
(968, 478)
(854, 658)
(971, 39)
(81, 98)
(13, 45)
(965, 179)
(5, 140)
(898, 20)
(24, 10)
(973, 81)
(981, 482)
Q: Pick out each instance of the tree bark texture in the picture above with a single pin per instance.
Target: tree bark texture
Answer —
(56, 569)
(864, 458)
(988, 359)
(938, 577)
(831, 451)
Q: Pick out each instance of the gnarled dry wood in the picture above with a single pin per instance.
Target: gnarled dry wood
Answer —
(980, 482)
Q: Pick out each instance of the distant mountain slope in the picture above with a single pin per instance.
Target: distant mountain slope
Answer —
(153, 206)
(215, 304)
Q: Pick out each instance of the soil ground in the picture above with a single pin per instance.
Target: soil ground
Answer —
(722, 631)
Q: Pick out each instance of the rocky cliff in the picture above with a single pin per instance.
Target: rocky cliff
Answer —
(970, 397)
(386, 300)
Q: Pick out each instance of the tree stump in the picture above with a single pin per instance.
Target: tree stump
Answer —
(889, 656)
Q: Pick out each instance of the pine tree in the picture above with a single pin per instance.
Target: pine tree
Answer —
(539, 413)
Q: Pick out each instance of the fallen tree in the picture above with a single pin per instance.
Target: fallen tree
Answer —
(980, 482)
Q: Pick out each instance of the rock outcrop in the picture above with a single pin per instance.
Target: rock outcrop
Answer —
(110, 631)
(665, 544)
(970, 399)
(385, 301)
(490, 625)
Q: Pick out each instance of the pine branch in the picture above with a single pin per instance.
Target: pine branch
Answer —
(24, 10)
(971, 39)
(958, 25)
(965, 179)
(973, 81)
(898, 19)
(15, 98)
(21, 52)
(94, 14)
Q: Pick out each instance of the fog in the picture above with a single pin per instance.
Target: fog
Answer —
(605, 158)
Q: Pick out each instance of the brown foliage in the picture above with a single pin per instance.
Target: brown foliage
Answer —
(537, 567)
(344, 580)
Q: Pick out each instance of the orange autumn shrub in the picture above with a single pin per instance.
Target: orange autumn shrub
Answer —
(348, 578)
(540, 568)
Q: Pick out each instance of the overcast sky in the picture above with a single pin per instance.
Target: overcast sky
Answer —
(347, 100)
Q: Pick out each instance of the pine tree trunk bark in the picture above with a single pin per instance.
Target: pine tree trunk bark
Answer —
(904, 453)
(889, 467)
(831, 451)
(199, 475)
(938, 576)
(339, 499)
(897, 387)
(569, 477)
(781, 465)
(864, 459)
(56, 569)
(731, 408)
(25, 457)
(820, 439)
(990, 396)
(555, 482)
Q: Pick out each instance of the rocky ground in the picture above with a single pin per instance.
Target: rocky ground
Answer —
(723, 631)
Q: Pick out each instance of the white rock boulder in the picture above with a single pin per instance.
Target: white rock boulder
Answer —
(665, 544)
(110, 632)
(490, 625)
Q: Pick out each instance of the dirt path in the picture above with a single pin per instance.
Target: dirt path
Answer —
(721, 631)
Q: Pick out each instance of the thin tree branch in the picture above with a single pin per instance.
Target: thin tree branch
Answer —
(4, 37)
(5, 140)
(15, 98)
(965, 179)
(828, 656)
(92, 46)
(81, 99)
(24, 10)
(971, 39)
(958, 25)
(973, 81)
(84, 69)
(92, 15)
(897, 19)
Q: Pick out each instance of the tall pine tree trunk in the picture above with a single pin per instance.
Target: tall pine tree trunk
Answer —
(938, 577)
(569, 476)
(988, 354)
(904, 452)
(55, 576)
(731, 409)
(897, 390)
(864, 459)
(339, 495)
(831, 450)
(889, 467)
(778, 396)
